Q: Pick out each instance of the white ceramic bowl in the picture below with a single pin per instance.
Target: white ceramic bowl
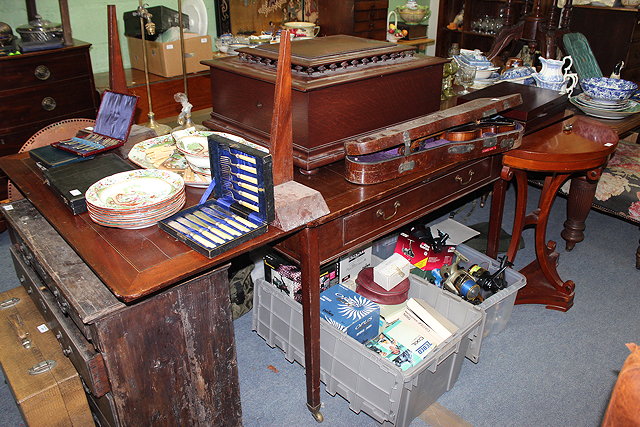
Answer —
(195, 149)
(486, 72)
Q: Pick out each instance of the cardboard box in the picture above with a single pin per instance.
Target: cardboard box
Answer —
(164, 58)
(351, 313)
(286, 276)
(351, 264)
(421, 255)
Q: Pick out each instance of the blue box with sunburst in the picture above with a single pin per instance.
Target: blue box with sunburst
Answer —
(349, 312)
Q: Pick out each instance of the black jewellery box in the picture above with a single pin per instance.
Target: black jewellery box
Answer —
(113, 124)
(242, 205)
(70, 182)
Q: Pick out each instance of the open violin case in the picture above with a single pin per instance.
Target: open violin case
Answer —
(462, 133)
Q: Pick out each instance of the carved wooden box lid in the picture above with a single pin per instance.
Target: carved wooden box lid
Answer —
(322, 54)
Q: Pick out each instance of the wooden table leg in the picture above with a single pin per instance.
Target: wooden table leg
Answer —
(519, 219)
(497, 209)
(581, 194)
(544, 285)
(310, 268)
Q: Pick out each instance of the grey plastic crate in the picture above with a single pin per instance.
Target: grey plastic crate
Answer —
(498, 307)
(367, 381)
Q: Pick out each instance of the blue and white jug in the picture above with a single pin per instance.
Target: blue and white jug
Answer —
(554, 70)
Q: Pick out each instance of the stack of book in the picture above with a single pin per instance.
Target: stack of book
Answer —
(412, 334)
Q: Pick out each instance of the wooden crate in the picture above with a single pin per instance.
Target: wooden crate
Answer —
(54, 397)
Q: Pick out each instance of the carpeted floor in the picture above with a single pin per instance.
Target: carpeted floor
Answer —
(547, 368)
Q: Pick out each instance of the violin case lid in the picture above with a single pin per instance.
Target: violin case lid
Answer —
(423, 126)
(423, 144)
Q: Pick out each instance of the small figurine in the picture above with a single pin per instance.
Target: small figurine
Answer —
(184, 118)
(457, 21)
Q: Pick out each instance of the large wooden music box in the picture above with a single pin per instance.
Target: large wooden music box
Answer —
(342, 86)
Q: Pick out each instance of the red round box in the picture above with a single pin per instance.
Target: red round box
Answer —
(376, 293)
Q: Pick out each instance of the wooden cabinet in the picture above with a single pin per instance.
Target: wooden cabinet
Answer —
(613, 35)
(40, 88)
(167, 359)
(467, 37)
(361, 18)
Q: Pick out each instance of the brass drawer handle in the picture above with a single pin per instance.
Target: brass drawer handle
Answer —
(380, 212)
(48, 103)
(461, 181)
(42, 72)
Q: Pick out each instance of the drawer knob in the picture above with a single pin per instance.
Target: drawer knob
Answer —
(42, 72)
(380, 212)
(48, 103)
(258, 104)
(64, 306)
(67, 351)
(461, 180)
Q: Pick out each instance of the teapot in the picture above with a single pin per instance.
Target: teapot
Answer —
(554, 70)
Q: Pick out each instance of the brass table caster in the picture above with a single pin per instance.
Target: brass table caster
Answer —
(315, 411)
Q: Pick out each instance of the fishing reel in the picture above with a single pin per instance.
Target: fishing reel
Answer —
(460, 281)
(423, 233)
(492, 282)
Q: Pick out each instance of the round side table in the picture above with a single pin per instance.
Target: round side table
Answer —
(577, 148)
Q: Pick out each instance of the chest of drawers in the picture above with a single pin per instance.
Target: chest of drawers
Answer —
(40, 88)
(167, 359)
(362, 18)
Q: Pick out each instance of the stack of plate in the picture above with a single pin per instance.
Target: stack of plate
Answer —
(605, 109)
(135, 199)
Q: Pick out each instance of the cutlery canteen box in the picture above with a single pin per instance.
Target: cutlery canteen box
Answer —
(242, 205)
(111, 130)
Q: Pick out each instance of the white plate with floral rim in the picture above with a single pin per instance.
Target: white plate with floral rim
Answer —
(140, 188)
(162, 153)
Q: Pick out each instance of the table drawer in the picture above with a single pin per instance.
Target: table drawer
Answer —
(46, 102)
(37, 70)
(370, 15)
(88, 362)
(24, 252)
(399, 208)
(370, 4)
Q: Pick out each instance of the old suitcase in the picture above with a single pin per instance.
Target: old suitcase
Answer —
(462, 133)
(342, 86)
(46, 386)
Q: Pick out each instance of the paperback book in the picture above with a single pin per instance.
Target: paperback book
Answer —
(412, 335)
